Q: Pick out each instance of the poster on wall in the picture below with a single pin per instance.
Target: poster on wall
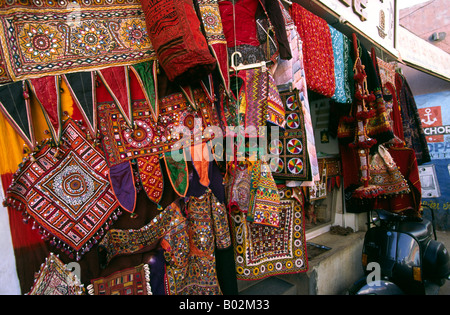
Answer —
(435, 116)
(429, 182)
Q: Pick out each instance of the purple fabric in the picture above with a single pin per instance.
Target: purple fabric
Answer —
(122, 181)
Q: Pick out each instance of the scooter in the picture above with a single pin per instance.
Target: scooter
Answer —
(401, 257)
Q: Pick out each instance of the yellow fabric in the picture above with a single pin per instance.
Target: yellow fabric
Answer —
(12, 145)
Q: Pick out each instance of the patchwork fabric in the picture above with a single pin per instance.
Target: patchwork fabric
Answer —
(54, 278)
(122, 143)
(175, 33)
(66, 191)
(289, 156)
(76, 36)
(263, 251)
(264, 198)
(131, 281)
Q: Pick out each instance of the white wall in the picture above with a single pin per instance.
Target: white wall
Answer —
(9, 282)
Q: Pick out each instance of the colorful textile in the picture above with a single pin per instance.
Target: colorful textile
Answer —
(178, 173)
(130, 281)
(238, 183)
(47, 92)
(212, 25)
(66, 191)
(122, 182)
(175, 33)
(16, 109)
(151, 177)
(82, 89)
(385, 173)
(146, 74)
(414, 135)
(317, 50)
(262, 251)
(239, 22)
(264, 207)
(198, 275)
(123, 143)
(342, 73)
(289, 157)
(54, 278)
(405, 158)
(75, 37)
(118, 242)
(286, 72)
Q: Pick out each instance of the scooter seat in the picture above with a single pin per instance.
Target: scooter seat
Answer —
(421, 230)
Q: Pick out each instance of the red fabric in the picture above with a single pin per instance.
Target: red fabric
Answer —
(318, 54)
(175, 33)
(396, 114)
(30, 249)
(46, 90)
(405, 158)
(243, 18)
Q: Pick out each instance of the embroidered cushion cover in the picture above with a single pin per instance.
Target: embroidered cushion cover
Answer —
(69, 197)
(174, 30)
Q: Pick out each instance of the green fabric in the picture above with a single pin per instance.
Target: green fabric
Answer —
(178, 172)
(145, 72)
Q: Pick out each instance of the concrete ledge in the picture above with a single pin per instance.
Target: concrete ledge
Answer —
(334, 271)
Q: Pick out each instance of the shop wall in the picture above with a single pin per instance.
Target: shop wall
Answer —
(8, 274)
(434, 110)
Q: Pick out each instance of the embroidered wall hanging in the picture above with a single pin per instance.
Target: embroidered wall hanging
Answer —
(66, 192)
(124, 143)
(77, 36)
(292, 72)
(175, 33)
(130, 281)
(262, 251)
(289, 157)
(54, 278)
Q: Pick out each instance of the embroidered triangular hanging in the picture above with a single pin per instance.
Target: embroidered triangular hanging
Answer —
(16, 109)
(121, 178)
(178, 171)
(146, 74)
(69, 198)
(82, 89)
(151, 177)
(47, 92)
(117, 82)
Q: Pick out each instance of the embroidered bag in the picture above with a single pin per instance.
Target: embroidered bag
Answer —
(55, 278)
